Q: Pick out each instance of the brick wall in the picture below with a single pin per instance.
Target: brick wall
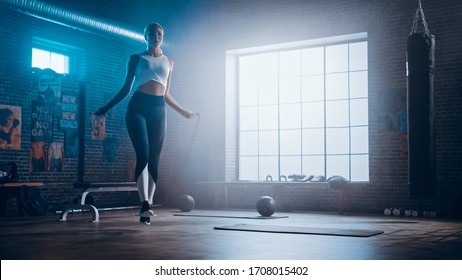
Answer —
(101, 61)
(198, 34)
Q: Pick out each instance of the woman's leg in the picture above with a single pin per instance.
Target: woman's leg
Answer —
(143, 185)
(145, 120)
(136, 126)
(156, 134)
(151, 186)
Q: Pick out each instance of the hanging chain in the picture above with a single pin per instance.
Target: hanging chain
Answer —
(419, 11)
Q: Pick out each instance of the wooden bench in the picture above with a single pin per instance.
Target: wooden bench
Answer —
(89, 187)
(15, 189)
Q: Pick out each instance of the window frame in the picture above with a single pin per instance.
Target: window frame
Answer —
(56, 48)
(233, 77)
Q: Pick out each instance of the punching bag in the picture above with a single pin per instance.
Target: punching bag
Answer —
(420, 107)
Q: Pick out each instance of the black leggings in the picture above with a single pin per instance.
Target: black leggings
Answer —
(146, 122)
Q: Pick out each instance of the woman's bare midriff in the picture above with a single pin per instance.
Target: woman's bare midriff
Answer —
(153, 88)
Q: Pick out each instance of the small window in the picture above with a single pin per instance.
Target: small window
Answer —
(46, 59)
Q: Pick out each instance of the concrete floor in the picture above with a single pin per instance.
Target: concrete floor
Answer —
(118, 235)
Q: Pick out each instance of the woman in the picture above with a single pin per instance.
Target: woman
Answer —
(151, 70)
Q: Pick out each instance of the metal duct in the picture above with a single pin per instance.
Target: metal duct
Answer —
(67, 18)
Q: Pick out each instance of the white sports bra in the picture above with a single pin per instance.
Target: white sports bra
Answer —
(152, 68)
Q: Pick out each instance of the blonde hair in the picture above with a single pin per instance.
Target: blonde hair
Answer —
(150, 26)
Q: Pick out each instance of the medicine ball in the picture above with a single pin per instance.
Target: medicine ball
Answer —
(266, 206)
(337, 182)
(186, 203)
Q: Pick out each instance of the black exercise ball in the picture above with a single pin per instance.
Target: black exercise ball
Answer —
(266, 206)
(186, 203)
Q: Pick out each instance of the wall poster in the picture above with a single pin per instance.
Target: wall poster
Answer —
(10, 127)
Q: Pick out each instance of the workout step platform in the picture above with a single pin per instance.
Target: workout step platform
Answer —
(89, 187)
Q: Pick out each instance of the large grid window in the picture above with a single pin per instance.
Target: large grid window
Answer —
(304, 111)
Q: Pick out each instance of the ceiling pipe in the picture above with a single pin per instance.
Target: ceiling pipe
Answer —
(67, 18)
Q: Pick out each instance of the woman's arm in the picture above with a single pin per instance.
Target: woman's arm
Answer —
(171, 101)
(126, 88)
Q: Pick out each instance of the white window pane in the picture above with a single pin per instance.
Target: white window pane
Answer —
(248, 66)
(313, 114)
(290, 63)
(66, 65)
(337, 113)
(58, 63)
(359, 168)
(289, 90)
(337, 141)
(313, 61)
(313, 165)
(338, 165)
(313, 141)
(268, 117)
(337, 58)
(248, 168)
(359, 140)
(359, 112)
(358, 84)
(358, 56)
(337, 86)
(248, 93)
(248, 118)
(313, 88)
(268, 166)
(248, 143)
(44, 59)
(268, 65)
(291, 142)
(268, 142)
(268, 92)
(40, 59)
(290, 116)
(291, 165)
